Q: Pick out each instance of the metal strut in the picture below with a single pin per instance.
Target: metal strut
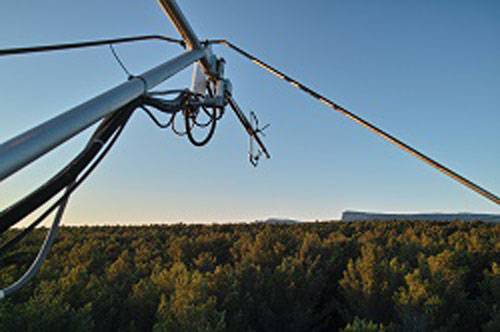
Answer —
(180, 22)
(252, 132)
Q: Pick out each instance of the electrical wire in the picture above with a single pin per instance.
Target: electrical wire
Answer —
(210, 117)
(117, 58)
(177, 131)
(20, 209)
(189, 129)
(86, 44)
(189, 104)
(62, 202)
(166, 92)
(388, 137)
(22, 234)
(42, 253)
(156, 121)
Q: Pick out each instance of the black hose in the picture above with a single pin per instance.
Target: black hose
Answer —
(211, 131)
(13, 214)
(22, 234)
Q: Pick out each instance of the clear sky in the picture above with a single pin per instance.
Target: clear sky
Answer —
(426, 71)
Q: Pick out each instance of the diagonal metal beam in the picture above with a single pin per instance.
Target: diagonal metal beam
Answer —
(181, 24)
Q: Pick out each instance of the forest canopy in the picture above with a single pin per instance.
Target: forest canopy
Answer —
(336, 276)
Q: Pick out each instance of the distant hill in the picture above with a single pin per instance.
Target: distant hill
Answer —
(367, 216)
(278, 221)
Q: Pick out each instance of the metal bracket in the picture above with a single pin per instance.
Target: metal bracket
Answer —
(254, 155)
(252, 131)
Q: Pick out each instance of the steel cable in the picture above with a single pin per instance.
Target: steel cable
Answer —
(388, 137)
(85, 44)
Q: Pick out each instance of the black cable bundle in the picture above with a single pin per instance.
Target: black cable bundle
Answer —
(190, 105)
(109, 126)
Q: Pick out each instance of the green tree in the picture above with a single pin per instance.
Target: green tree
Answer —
(187, 305)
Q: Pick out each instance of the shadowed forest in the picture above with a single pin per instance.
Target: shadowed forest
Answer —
(365, 276)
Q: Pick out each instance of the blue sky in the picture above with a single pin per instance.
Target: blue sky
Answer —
(426, 71)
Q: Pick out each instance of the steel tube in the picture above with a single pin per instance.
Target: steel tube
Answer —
(181, 24)
(32, 144)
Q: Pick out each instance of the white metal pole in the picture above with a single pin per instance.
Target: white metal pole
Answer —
(32, 144)
(180, 22)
